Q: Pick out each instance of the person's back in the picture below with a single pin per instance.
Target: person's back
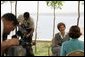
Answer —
(73, 44)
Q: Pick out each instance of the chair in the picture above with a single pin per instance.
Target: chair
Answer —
(49, 51)
(53, 51)
(16, 51)
(76, 53)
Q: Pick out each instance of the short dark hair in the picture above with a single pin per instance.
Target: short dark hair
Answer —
(74, 32)
(10, 17)
(26, 15)
(60, 24)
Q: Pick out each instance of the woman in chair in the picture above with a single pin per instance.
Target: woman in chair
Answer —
(59, 38)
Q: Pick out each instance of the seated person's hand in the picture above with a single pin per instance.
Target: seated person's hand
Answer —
(12, 42)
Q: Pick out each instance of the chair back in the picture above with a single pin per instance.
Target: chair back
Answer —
(16, 51)
(76, 53)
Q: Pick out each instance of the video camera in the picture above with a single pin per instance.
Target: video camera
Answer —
(22, 40)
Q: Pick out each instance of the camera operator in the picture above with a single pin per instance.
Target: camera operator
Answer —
(26, 29)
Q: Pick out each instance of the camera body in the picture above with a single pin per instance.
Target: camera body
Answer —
(22, 41)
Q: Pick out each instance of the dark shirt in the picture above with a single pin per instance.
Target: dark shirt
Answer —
(60, 40)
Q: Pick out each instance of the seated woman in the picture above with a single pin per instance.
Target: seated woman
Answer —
(73, 44)
(59, 38)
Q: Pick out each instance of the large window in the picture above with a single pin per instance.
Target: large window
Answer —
(68, 15)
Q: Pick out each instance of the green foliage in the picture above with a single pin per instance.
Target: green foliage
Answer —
(42, 48)
(56, 4)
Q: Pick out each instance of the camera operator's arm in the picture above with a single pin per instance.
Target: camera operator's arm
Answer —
(30, 32)
(31, 26)
(8, 43)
